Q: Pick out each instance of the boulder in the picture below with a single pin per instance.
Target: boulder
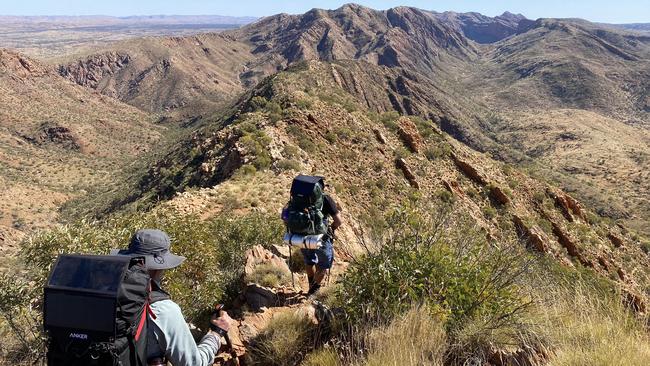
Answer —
(533, 234)
(615, 239)
(470, 171)
(380, 136)
(257, 255)
(408, 174)
(281, 251)
(408, 132)
(259, 297)
(498, 195)
(453, 187)
(571, 209)
(570, 245)
(634, 301)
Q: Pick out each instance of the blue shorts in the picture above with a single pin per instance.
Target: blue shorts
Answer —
(323, 257)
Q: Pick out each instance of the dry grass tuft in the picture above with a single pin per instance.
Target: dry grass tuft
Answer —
(284, 341)
(268, 275)
(415, 338)
(588, 329)
(322, 357)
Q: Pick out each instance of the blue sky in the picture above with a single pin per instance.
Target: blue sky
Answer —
(612, 11)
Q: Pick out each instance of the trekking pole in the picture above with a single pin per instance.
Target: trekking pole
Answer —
(233, 353)
(293, 281)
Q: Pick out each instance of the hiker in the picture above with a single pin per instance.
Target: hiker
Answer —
(169, 338)
(309, 212)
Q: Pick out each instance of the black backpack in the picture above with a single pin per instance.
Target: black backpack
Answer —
(95, 311)
(304, 213)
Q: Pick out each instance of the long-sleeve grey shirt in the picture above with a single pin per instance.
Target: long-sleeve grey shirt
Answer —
(170, 336)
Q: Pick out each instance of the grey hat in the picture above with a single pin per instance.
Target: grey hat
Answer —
(153, 245)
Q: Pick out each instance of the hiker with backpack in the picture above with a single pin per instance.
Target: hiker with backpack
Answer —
(307, 218)
(169, 337)
(112, 310)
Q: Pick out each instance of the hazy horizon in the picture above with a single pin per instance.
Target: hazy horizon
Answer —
(621, 12)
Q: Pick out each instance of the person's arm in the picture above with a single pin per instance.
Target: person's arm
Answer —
(333, 210)
(177, 341)
(336, 221)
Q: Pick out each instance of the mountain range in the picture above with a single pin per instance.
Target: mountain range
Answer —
(536, 131)
(567, 99)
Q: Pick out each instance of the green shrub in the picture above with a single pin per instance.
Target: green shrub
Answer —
(444, 196)
(289, 164)
(402, 153)
(246, 169)
(437, 151)
(304, 104)
(256, 143)
(645, 246)
(330, 137)
(425, 127)
(389, 120)
(489, 212)
(290, 151)
(303, 140)
(454, 274)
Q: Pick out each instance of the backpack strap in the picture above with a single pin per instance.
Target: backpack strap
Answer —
(145, 312)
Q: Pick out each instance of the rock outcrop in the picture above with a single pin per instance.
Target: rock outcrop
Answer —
(408, 132)
(570, 207)
(408, 174)
(499, 195)
(469, 170)
(20, 67)
(532, 234)
(92, 70)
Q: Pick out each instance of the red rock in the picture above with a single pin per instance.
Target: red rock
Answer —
(534, 235)
(467, 169)
(498, 195)
(408, 132)
(408, 174)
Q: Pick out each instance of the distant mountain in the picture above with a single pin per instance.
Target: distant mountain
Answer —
(643, 27)
(484, 29)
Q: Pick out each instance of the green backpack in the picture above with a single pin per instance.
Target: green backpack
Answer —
(304, 213)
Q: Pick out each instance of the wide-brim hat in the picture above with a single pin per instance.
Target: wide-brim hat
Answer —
(153, 245)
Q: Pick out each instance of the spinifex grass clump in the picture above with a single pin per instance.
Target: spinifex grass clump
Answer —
(285, 340)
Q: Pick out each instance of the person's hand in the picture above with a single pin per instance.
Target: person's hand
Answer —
(221, 320)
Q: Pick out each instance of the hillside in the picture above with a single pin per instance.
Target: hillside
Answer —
(474, 88)
(58, 141)
(489, 171)
(307, 120)
(590, 105)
